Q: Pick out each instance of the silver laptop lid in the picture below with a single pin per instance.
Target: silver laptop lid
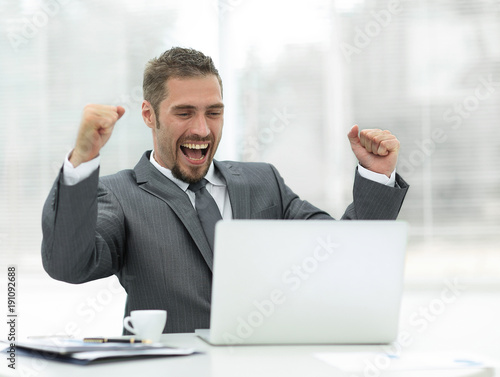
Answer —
(300, 282)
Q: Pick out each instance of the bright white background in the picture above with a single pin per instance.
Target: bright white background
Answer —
(297, 75)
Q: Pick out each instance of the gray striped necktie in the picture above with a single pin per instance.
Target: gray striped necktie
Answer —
(207, 209)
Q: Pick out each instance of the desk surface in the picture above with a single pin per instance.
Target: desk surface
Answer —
(243, 361)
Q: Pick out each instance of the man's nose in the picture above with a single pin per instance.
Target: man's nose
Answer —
(200, 126)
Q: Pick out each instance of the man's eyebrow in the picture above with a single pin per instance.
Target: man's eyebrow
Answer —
(191, 107)
(183, 107)
(216, 106)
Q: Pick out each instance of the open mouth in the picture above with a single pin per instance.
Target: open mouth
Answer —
(195, 152)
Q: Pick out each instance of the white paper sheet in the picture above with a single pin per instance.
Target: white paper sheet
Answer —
(374, 363)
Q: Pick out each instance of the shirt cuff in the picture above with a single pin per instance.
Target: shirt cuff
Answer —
(71, 175)
(377, 177)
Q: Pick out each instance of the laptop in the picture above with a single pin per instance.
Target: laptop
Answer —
(306, 282)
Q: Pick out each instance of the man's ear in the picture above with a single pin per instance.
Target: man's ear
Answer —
(148, 114)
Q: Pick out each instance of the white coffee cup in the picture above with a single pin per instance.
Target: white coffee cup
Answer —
(146, 324)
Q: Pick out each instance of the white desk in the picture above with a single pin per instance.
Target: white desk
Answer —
(238, 361)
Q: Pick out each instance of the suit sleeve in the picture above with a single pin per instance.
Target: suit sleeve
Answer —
(374, 201)
(371, 201)
(78, 244)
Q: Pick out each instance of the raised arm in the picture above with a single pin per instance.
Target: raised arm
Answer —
(72, 248)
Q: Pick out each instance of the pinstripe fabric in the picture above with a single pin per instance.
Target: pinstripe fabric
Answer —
(141, 226)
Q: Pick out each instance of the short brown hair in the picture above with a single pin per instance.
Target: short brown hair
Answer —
(176, 62)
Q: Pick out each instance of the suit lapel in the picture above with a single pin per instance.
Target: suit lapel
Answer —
(152, 181)
(238, 189)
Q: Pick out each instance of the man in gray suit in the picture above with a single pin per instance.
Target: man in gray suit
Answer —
(142, 225)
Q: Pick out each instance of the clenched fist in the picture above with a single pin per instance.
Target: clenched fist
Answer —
(376, 150)
(95, 130)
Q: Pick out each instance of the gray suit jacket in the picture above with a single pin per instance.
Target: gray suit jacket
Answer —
(142, 227)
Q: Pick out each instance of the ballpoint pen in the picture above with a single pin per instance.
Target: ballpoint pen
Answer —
(116, 340)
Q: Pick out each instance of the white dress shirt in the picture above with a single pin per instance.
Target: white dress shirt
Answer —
(216, 186)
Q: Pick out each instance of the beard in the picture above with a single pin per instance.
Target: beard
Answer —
(193, 176)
